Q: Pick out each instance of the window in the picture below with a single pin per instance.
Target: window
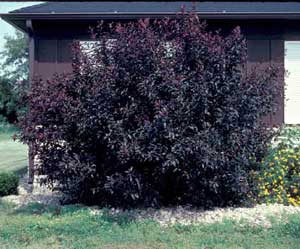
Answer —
(292, 81)
(170, 49)
(87, 47)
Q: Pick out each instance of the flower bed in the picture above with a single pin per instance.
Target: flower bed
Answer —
(278, 181)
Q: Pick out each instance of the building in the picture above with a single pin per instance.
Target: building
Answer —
(271, 30)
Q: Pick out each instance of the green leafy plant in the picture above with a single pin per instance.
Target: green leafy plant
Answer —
(278, 180)
(15, 57)
(8, 184)
(14, 79)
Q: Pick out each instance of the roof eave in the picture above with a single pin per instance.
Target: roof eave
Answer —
(222, 14)
(12, 17)
(9, 20)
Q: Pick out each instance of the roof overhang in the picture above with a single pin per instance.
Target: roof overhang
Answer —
(18, 20)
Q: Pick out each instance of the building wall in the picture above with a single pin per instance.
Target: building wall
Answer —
(265, 42)
(265, 52)
(52, 56)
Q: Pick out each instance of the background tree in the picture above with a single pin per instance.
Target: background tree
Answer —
(14, 76)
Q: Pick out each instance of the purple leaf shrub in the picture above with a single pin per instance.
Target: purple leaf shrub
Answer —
(166, 114)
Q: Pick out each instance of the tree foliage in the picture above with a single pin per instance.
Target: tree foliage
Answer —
(15, 57)
(14, 76)
(158, 112)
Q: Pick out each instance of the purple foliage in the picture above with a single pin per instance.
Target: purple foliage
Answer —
(165, 114)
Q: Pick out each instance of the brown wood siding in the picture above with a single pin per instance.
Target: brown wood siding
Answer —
(277, 57)
(52, 56)
(46, 57)
(265, 52)
(64, 55)
(265, 42)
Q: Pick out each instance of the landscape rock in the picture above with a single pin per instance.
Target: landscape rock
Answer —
(259, 215)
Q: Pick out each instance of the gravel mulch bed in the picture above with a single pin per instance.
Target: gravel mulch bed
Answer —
(259, 215)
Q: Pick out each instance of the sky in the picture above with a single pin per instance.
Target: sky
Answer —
(5, 28)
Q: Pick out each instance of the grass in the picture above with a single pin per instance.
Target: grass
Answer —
(13, 155)
(37, 226)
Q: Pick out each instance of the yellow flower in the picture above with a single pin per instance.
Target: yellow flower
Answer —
(292, 201)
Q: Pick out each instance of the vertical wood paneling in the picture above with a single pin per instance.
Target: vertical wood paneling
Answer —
(54, 55)
(64, 55)
(277, 58)
(258, 51)
(47, 57)
(265, 52)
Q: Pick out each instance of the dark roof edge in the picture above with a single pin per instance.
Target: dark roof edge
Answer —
(11, 22)
(133, 14)
(36, 6)
(11, 17)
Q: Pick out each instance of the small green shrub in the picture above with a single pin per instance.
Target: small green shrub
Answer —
(8, 184)
(291, 132)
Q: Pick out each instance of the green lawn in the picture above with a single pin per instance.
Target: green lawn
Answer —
(36, 226)
(13, 155)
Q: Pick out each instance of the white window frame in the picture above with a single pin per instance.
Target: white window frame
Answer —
(292, 86)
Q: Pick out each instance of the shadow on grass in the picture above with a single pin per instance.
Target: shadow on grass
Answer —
(21, 172)
(5, 206)
(105, 214)
(121, 219)
(36, 208)
(289, 227)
